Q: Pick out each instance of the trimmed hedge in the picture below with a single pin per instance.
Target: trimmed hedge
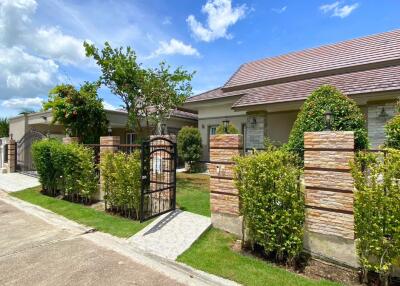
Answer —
(189, 145)
(392, 130)
(68, 170)
(377, 211)
(121, 174)
(347, 117)
(272, 202)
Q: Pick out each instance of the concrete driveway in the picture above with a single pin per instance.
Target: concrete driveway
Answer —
(33, 252)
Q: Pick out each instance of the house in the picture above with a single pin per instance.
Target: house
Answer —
(262, 98)
(27, 128)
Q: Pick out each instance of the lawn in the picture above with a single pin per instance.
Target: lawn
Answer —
(192, 193)
(99, 220)
(212, 253)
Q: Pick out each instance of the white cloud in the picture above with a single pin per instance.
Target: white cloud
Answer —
(21, 103)
(337, 9)
(16, 29)
(22, 74)
(279, 10)
(220, 16)
(174, 47)
(109, 106)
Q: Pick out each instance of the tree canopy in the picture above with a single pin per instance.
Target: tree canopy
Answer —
(81, 112)
(392, 130)
(149, 95)
(4, 127)
(347, 117)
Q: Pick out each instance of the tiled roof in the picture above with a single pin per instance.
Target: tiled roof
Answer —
(184, 114)
(375, 80)
(211, 94)
(377, 48)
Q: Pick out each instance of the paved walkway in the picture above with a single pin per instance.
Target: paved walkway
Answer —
(14, 182)
(171, 234)
(38, 247)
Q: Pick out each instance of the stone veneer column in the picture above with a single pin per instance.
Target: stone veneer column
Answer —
(107, 144)
(224, 197)
(69, 140)
(12, 156)
(256, 130)
(329, 223)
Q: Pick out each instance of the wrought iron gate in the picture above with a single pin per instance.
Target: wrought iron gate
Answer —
(24, 150)
(158, 193)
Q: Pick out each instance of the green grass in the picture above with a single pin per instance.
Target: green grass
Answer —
(212, 253)
(192, 193)
(99, 220)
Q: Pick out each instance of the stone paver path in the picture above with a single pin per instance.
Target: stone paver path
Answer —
(14, 182)
(171, 234)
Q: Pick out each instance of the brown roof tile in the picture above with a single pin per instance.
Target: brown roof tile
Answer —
(376, 80)
(377, 48)
(211, 94)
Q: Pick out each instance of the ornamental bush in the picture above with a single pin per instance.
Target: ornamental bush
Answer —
(68, 170)
(347, 117)
(272, 202)
(189, 145)
(231, 129)
(392, 130)
(121, 174)
(377, 211)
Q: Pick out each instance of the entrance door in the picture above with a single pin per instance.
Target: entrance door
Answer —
(24, 151)
(158, 193)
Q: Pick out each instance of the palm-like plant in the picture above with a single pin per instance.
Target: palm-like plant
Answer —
(4, 127)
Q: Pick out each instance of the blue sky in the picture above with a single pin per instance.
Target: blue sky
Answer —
(41, 41)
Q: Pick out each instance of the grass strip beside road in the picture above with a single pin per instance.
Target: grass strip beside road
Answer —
(102, 221)
(212, 253)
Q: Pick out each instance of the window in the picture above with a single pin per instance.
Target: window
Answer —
(213, 130)
(130, 138)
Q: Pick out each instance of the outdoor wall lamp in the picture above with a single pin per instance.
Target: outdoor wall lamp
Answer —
(163, 128)
(328, 119)
(253, 123)
(109, 130)
(383, 114)
(225, 124)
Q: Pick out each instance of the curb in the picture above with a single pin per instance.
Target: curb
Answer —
(175, 270)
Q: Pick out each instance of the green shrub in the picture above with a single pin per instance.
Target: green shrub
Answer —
(231, 129)
(377, 210)
(65, 169)
(41, 154)
(271, 202)
(347, 117)
(189, 145)
(392, 130)
(121, 175)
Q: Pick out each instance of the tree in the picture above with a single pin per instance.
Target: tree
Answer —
(189, 145)
(80, 112)
(4, 127)
(311, 118)
(149, 95)
(392, 130)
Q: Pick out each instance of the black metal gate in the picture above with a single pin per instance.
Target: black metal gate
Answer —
(158, 193)
(24, 151)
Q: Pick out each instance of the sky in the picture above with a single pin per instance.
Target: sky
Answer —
(41, 41)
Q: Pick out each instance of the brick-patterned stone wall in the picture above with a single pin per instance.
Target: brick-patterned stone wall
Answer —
(12, 156)
(329, 184)
(69, 140)
(224, 195)
(107, 144)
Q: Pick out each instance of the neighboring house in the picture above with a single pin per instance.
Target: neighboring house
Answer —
(32, 126)
(262, 98)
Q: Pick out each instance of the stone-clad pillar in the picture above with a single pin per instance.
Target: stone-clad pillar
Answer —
(69, 140)
(224, 195)
(107, 144)
(12, 156)
(329, 195)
